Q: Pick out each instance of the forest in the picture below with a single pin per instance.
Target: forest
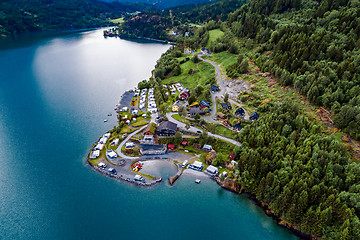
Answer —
(38, 15)
(305, 176)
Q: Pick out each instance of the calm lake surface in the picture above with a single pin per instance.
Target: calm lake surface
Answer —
(55, 93)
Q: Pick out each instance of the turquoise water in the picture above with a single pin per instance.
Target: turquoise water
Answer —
(55, 93)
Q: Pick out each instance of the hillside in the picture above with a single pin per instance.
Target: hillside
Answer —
(163, 4)
(36, 15)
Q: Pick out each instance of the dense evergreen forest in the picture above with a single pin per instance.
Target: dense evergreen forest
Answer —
(17, 16)
(306, 176)
(156, 23)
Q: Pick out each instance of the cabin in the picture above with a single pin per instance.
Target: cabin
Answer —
(195, 110)
(204, 104)
(166, 128)
(184, 143)
(238, 127)
(205, 51)
(197, 146)
(225, 106)
(240, 112)
(198, 166)
(185, 93)
(214, 88)
(207, 148)
(254, 116)
(231, 156)
(171, 146)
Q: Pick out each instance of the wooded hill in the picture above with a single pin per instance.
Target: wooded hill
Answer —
(17, 16)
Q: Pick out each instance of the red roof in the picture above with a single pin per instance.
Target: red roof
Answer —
(231, 156)
(184, 143)
(171, 146)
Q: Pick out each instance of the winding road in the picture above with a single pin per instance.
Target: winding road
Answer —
(118, 150)
(182, 125)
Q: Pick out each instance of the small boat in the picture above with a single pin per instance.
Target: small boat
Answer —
(197, 181)
(105, 120)
(109, 114)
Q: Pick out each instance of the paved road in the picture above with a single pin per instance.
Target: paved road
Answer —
(194, 129)
(218, 94)
(118, 150)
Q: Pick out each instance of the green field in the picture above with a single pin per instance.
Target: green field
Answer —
(204, 72)
(213, 35)
(117, 20)
(225, 59)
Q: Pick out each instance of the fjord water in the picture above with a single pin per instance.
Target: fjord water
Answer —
(55, 93)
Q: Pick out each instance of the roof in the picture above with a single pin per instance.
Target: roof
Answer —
(197, 164)
(194, 104)
(171, 145)
(225, 105)
(207, 147)
(184, 142)
(240, 111)
(214, 87)
(167, 125)
(255, 115)
(195, 110)
(238, 126)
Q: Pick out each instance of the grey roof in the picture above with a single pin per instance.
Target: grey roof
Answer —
(167, 125)
(195, 110)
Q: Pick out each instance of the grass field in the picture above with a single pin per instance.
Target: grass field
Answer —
(117, 20)
(213, 35)
(204, 72)
(225, 59)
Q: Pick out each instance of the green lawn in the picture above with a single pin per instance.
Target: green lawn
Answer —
(213, 35)
(221, 130)
(204, 72)
(117, 20)
(225, 59)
